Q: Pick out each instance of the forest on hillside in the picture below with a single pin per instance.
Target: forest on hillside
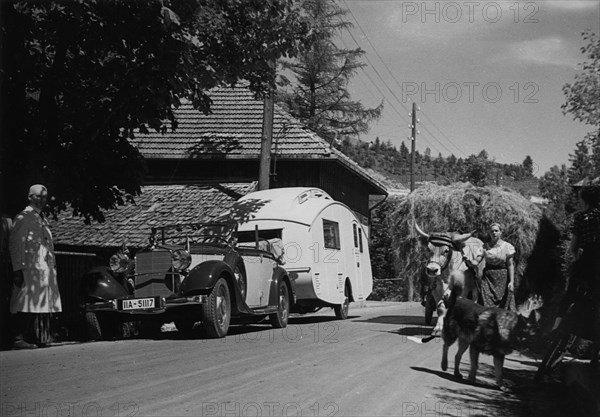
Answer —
(479, 169)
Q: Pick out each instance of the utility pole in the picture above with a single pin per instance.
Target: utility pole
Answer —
(264, 169)
(413, 140)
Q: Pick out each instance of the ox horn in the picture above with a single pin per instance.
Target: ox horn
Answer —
(462, 238)
(419, 231)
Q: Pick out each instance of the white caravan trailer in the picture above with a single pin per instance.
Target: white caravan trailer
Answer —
(325, 247)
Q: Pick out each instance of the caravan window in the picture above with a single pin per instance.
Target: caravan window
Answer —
(331, 234)
(360, 239)
(355, 235)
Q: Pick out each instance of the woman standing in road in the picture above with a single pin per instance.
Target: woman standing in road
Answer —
(498, 281)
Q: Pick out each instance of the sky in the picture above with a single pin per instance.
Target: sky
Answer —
(484, 74)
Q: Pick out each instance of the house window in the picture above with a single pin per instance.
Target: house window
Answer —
(354, 232)
(331, 234)
(360, 239)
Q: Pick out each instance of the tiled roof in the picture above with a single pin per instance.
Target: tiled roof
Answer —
(157, 205)
(233, 131)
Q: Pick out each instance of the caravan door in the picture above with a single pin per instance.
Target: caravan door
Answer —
(359, 242)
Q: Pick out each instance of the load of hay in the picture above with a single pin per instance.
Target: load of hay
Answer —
(460, 208)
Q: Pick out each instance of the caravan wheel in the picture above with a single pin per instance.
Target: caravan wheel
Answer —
(341, 310)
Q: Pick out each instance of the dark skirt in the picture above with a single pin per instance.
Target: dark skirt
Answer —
(33, 327)
(494, 289)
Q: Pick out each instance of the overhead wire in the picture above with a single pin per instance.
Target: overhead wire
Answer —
(396, 81)
(387, 86)
(443, 134)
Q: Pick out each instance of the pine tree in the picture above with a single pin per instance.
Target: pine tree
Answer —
(403, 152)
(528, 166)
(318, 93)
(581, 165)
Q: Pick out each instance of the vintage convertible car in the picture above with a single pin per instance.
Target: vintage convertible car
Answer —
(190, 273)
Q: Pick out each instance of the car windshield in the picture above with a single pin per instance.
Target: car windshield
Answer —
(267, 234)
(215, 233)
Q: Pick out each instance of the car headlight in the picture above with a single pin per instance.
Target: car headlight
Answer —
(181, 259)
(119, 262)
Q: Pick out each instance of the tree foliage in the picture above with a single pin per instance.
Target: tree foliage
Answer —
(318, 92)
(385, 285)
(476, 170)
(583, 95)
(528, 166)
(583, 103)
(79, 78)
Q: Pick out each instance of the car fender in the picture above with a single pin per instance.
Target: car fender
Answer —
(203, 277)
(234, 259)
(100, 283)
(280, 274)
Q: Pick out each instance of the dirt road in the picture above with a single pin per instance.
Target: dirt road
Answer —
(318, 366)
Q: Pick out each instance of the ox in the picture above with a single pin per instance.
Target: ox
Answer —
(452, 257)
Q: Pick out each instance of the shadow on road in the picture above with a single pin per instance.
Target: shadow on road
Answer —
(449, 376)
(394, 320)
(524, 398)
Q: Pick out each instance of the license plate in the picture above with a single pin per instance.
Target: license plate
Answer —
(138, 304)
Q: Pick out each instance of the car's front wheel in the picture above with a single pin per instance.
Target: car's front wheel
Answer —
(216, 313)
(103, 327)
(279, 319)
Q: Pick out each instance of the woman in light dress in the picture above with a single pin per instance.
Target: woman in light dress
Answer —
(498, 280)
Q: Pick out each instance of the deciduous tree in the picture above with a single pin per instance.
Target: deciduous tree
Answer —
(79, 78)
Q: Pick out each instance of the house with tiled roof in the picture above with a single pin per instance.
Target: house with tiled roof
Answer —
(224, 146)
(208, 161)
(198, 170)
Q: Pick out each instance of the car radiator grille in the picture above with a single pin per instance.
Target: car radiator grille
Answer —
(153, 275)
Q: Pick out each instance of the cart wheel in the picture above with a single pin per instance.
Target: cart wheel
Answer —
(554, 355)
(279, 320)
(216, 313)
(429, 309)
(341, 310)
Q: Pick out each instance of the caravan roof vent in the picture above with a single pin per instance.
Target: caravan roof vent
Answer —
(303, 197)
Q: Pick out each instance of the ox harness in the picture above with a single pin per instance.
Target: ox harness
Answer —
(443, 239)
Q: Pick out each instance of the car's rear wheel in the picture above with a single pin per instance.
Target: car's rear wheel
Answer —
(216, 313)
(279, 319)
(341, 310)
